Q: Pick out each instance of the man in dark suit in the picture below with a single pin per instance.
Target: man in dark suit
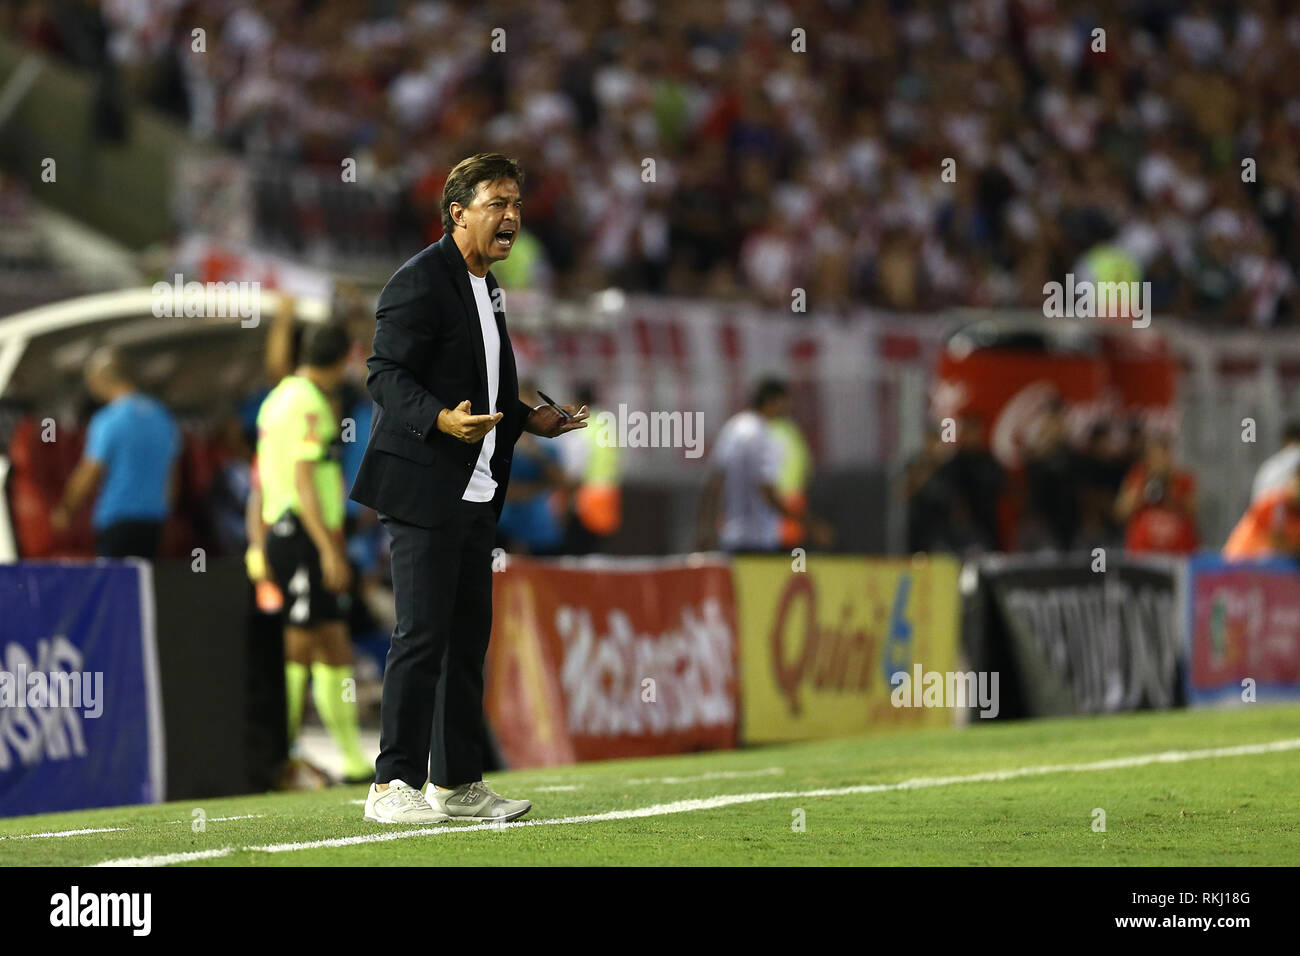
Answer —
(436, 468)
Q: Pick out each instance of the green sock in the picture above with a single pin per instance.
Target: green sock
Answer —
(295, 688)
(339, 712)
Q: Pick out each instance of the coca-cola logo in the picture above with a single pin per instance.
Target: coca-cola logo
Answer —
(1019, 420)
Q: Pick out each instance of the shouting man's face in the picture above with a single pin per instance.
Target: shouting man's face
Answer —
(491, 223)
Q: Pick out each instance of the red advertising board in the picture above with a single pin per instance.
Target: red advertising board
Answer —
(1244, 623)
(1008, 384)
(592, 660)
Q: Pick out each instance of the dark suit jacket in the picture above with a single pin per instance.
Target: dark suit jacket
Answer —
(428, 355)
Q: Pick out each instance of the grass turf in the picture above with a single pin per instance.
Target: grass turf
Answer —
(1238, 810)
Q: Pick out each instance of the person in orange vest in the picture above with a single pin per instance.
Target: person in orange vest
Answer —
(1270, 528)
(592, 460)
(792, 479)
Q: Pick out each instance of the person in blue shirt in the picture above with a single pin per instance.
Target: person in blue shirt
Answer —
(131, 446)
(528, 522)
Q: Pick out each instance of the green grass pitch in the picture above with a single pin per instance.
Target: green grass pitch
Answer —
(1185, 808)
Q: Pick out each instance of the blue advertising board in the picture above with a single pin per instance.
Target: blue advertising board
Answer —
(80, 711)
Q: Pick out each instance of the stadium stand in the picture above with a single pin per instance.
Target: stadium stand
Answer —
(1071, 152)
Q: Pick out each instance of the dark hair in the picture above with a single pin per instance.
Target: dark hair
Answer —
(1292, 431)
(463, 180)
(325, 345)
(116, 365)
(767, 390)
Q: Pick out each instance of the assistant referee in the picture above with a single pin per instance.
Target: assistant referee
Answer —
(298, 462)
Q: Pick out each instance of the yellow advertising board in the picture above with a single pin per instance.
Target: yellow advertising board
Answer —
(819, 644)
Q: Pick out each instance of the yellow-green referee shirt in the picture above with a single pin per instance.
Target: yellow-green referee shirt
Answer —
(296, 423)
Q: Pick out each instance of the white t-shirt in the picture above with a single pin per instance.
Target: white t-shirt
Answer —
(482, 486)
(1276, 471)
(750, 457)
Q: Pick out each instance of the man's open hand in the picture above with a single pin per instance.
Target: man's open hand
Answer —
(461, 425)
(548, 423)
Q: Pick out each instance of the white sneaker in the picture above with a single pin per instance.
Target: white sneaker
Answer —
(401, 803)
(476, 801)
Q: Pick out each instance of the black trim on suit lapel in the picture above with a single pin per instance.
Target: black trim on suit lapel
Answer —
(460, 279)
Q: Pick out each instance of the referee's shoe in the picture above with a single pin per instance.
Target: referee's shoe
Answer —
(475, 801)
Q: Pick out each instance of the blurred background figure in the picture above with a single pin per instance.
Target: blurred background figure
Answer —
(593, 465)
(1270, 528)
(531, 521)
(929, 518)
(369, 608)
(1053, 476)
(792, 481)
(1101, 467)
(974, 481)
(302, 492)
(231, 484)
(131, 447)
(742, 508)
(1277, 470)
(1157, 503)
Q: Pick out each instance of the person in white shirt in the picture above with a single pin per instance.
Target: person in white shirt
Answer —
(1277, 469)
(746, 462)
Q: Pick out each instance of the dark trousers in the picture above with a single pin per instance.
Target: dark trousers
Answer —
(129, 539)
(432, 707)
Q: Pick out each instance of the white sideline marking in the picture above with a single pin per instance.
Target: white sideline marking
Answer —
(635, 782)
(167, 858)
(67, 833)
(61, 833)
(716, 775)
(727, 800)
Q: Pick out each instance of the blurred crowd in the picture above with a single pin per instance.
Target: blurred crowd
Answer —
(1116, 154)
(1118, 487)
(1121, 486)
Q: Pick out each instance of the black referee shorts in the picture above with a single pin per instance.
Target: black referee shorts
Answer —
(295, 563)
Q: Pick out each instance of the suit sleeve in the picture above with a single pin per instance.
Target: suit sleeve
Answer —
(403, 344)
(524, 411)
